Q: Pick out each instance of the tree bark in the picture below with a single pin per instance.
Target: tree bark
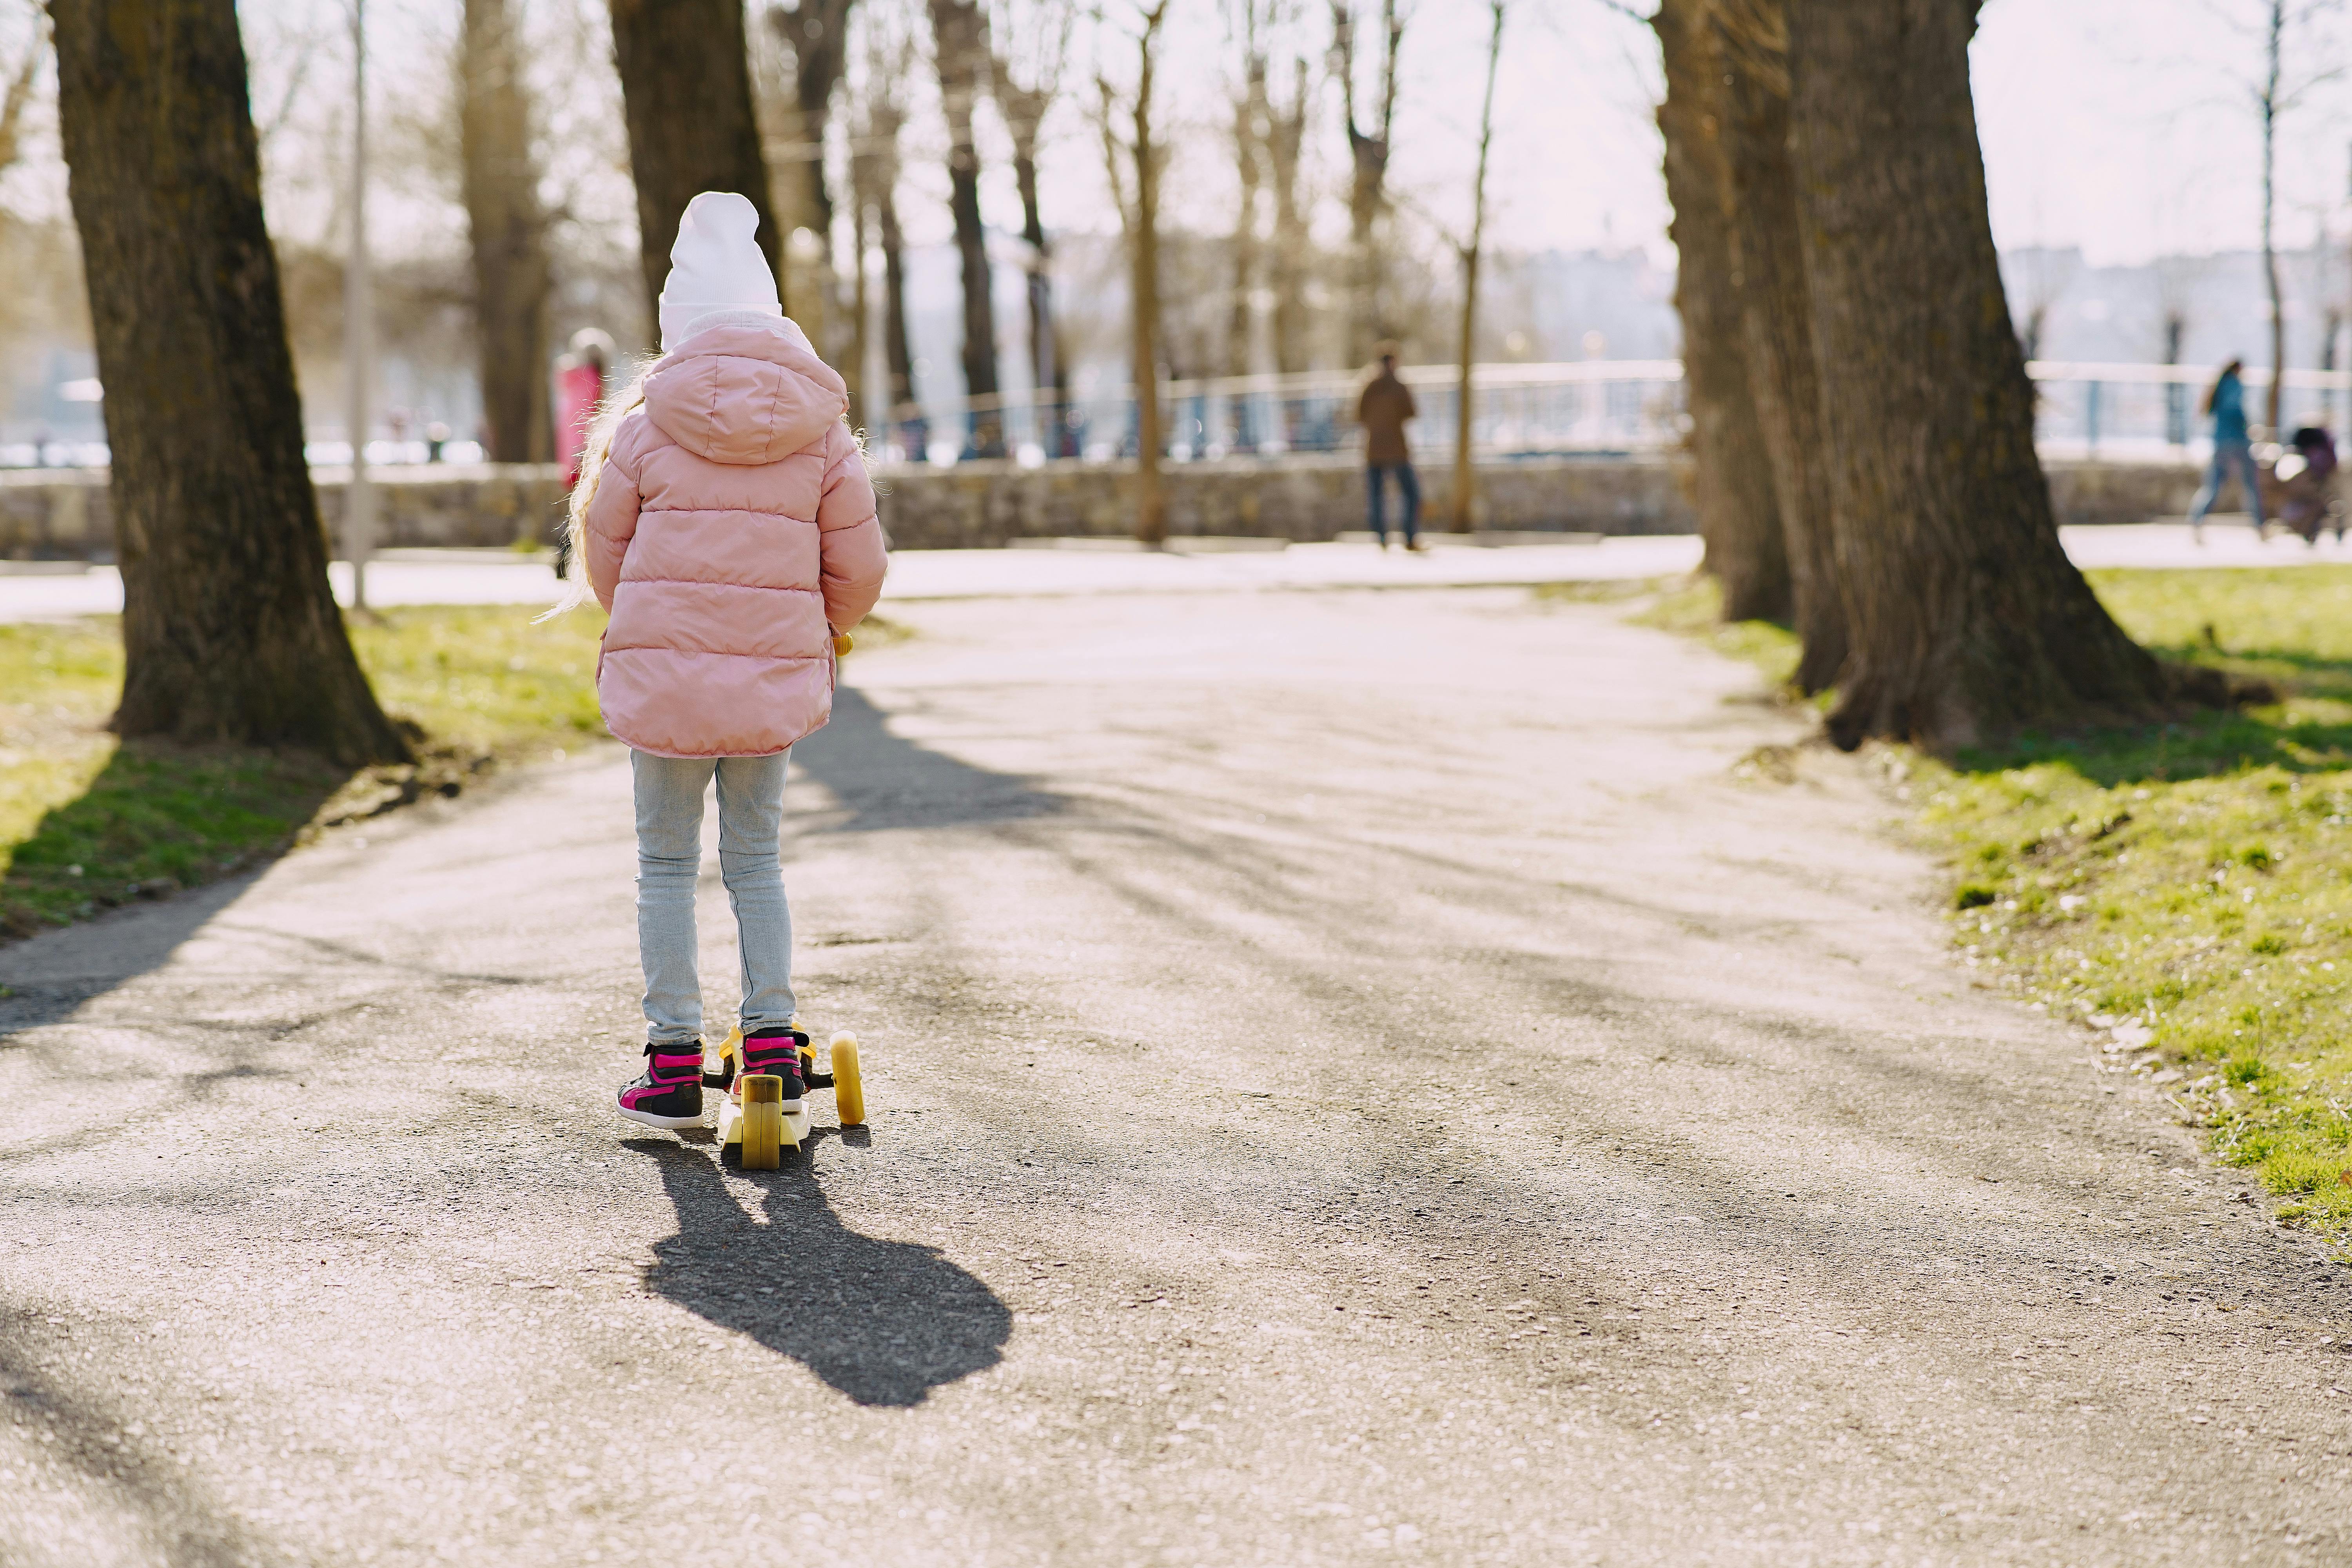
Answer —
(1739, 518)
(1751, 114)
(509, 233)
(686, 91)
(229, 629)
(960, 44)
(1966, 617)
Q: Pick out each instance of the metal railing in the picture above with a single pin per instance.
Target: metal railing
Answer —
(1590, 408)
(2152, 412)
(1594, 407)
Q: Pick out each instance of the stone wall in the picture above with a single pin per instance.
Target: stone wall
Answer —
(55, 514)
(64, 513)
(976, 505)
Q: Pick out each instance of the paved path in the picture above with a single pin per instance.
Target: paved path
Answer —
(1355, 1079)
(498, 577)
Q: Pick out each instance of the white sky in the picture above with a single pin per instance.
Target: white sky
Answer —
(2125, 127)
(2121, 126)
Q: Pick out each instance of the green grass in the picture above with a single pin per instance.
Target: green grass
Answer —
(2180, 886)
(88, 822)
(1696, 609)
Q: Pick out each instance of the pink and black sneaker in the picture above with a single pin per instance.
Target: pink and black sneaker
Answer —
(777, 1052)
(669, 1093)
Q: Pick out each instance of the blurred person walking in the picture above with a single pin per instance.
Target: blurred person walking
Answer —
(579, 388)
(1384, 410)
(2234, 450)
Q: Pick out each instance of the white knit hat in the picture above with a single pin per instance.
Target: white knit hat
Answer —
(716, 264)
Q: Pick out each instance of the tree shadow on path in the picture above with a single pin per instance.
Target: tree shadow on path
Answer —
(882, 781)
(884, 1322)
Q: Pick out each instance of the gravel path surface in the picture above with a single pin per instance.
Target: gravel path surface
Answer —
(1353, 1079)
(44, 591)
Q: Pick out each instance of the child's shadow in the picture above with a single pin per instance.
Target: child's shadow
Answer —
(884, 1322)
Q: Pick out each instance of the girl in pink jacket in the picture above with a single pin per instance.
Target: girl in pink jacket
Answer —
(724, 517)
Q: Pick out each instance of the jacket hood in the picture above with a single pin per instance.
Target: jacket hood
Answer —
(744, 388)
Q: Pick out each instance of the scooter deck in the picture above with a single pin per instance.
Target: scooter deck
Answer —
(730, 1123)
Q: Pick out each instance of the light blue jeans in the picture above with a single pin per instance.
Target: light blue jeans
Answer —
(2229, 456)
(669, 864)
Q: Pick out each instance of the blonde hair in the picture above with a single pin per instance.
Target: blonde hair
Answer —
(593, 452)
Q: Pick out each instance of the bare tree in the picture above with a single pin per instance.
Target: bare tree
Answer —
(1286, 140)
(813, 36)
(1029, 47)
(509, 234)
(2177, 278)
(1738, 517)
(960, 47)
(1250, 133)
(1966, 619)
(817, 34)
(229, 629)
(874, 169)
(1135, 163)
(21, 76)
(686, 91)
(2044, 275)
(1465, 474)
(1368, 149)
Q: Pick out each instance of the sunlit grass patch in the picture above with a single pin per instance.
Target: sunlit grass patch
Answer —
(1696, 609)
(87, 823)
(2183, 886)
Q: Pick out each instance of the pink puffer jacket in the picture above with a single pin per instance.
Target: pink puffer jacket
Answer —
(732, 533)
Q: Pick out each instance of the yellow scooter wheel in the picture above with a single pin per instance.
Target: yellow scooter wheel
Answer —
(763, 1121)
(849, 1089)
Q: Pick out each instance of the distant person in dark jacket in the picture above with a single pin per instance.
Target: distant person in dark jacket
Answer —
(2234, 450)
(1383, 410)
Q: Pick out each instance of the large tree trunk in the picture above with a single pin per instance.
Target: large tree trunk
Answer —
(1966, 617)
(1751, 113)
(229, 630)
(511, 279)
(959, 42)
(686, 91)
(1739, 518)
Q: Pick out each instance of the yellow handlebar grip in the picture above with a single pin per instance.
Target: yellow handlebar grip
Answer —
(841, 643)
